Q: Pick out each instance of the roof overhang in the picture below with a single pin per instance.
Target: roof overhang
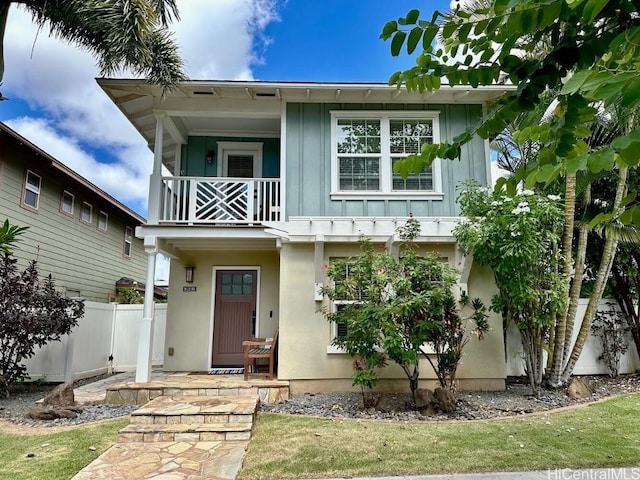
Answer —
(241, 108)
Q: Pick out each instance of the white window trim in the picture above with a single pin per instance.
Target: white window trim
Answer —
(385, 159)
(106, 221)
(128, 239)
(90, 221)
(240, 148)
(73, 203)
(32, 189)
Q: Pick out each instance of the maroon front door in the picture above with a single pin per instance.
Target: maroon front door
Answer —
(234, 315)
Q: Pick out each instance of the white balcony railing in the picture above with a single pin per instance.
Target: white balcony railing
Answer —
(214, 200)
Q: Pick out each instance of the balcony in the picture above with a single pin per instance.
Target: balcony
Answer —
(217, 200)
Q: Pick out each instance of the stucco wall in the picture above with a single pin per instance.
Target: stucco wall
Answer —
(305, 335)
(190, 314)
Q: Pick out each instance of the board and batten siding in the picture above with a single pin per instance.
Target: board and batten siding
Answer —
(308, 163)
(79, 257)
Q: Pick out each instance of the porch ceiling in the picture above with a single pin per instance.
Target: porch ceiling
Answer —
(228, 108)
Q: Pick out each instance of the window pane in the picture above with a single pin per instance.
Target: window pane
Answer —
(67, 202)
(358, 136)
(248, 278)
(31, 198)
(226, 278)
(237, 278)
(33, 180)
(85, 214)
(422, 182)
(359, 173)
(226, 289)
(102, 221)
(236, 289)
(247, 289)
(408, 136)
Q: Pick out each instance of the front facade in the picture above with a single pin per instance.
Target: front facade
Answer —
(271, 181)
(79, 234)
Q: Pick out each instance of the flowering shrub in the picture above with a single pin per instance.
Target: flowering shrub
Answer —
(519, 237)
(393, 307)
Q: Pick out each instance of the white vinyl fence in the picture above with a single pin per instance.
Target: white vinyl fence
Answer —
(588, 363)
(106, 329)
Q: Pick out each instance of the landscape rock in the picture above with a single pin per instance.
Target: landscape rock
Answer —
(426, 402)
(579, 389)
(61, 396)
(45, 413)
(387, 403)
(446, 399)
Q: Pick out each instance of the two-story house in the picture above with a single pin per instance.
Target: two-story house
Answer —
(78, 233)
(257, 186)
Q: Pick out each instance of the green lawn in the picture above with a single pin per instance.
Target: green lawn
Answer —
(605, 434)
(58, 455)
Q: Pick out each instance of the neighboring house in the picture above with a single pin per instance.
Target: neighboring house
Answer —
(79, 234)
(267, 183)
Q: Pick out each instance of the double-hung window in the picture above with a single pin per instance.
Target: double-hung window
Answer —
(128, 241)
(32, 185)
(366, 145)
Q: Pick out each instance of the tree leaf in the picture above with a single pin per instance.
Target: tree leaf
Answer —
(388, 29)
(412, 16)
(396, 42)
(414, 38)
(593, 8)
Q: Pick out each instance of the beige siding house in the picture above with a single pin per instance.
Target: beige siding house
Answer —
(78, 233)
(259, 185)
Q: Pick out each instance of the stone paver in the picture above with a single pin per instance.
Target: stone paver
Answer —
(168, 461)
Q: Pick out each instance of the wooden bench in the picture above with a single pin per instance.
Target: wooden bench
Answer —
(260, 348)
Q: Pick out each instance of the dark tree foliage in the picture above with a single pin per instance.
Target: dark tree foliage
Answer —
(32, 313)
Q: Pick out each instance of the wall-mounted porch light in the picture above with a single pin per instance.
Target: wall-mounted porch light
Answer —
(211, 156)
(188, 274)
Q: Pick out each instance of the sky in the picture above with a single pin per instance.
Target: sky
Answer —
(56, 103)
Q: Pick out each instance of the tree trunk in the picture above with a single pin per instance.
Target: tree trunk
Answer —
(606, 262)
(4, 13)
(560, 332)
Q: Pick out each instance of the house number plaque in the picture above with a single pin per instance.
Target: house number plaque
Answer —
(189, 288)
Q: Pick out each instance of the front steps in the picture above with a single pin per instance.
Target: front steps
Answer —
(192, 418)
(268, 391)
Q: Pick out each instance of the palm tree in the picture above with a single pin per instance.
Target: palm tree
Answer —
(121, 34)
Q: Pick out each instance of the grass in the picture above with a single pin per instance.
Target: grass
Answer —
(58, 455)
(605, 434)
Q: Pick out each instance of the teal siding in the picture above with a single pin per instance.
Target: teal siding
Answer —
(194, 164)
(308, 147)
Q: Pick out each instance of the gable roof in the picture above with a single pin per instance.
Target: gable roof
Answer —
(69, 173)
(217, 107)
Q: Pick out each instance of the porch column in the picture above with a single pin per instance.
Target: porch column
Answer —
(155, 181)
(145, 340)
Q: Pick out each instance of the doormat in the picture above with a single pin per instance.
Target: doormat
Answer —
(226, 371)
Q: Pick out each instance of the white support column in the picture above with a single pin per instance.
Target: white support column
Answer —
(155, 181)
(318, 265)
(145, 340)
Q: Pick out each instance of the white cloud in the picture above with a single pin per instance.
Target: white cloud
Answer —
(220, 39)
(126, 182)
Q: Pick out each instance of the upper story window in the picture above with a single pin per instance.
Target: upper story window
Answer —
(32, 185)
(86, 214)
(66, 203)
(128, 240)
(103, 220)
(366, 145)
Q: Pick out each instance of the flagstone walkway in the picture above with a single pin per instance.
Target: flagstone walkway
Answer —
(188, 431)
